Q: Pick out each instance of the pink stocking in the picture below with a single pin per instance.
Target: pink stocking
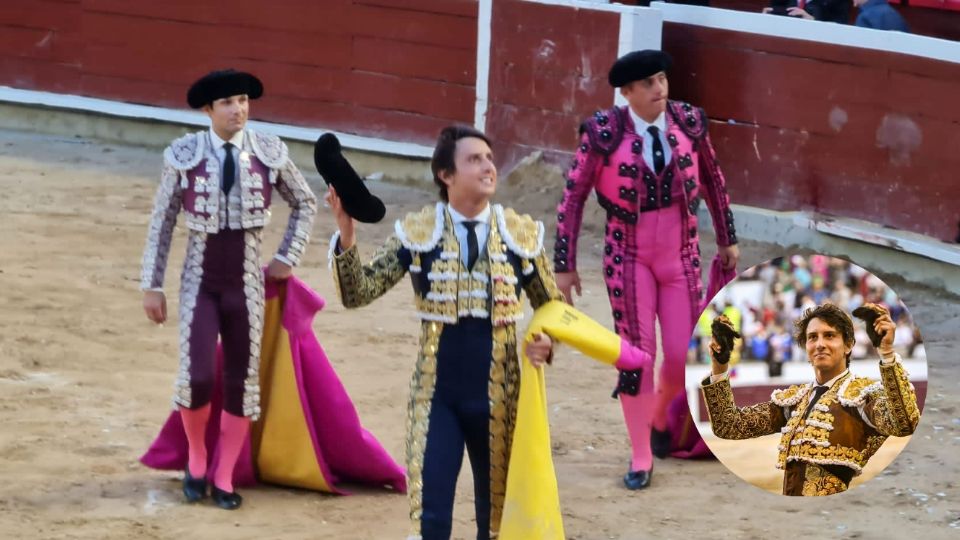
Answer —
(637, 413)
(233, 433)
(195, 426)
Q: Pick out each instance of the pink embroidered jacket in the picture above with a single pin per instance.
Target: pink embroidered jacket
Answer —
(609, 160)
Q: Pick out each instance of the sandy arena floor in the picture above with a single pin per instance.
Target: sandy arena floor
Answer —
(85, 382)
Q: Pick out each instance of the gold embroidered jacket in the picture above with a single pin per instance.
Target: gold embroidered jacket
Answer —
(835, 432)
(426, 246)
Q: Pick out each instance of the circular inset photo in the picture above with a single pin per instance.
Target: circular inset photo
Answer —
(806, 375)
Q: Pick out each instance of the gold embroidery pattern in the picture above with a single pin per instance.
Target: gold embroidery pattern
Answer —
(732, 422)
(506, 308)
(440, 303)
(810, 441)
(895, 412)
(525, 235)
(420, 228)
(857, 389)
(489, 290)
(831, 455)
(357, 284)
(504, 388)
(874, 442)
(819, 482)
(543, 287)
(789, 397)
(422, 385)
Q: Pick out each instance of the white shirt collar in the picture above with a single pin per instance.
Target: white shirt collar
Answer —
(236, 140)
(641, 125)
(831, 381)
(482, 217)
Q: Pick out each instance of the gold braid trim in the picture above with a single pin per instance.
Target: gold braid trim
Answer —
(542, 287)
(855, 391)
(831, 455)
(422, 385)
(522, 234)
(420, 231)
(818, 482)
(732, 422)
(809, 440)
(504, 389)
(894, 411)
(441, 302)
(505, 307)
(359, 285)
(789, 397)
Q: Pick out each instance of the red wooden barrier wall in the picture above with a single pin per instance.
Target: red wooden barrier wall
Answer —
(397, 69)
(548, 70)
(842, 130)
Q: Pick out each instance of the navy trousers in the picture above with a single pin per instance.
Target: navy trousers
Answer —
(459, 416)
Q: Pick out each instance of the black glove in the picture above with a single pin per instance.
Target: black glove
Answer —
(723, 333)
(870, 313)
(336, 171)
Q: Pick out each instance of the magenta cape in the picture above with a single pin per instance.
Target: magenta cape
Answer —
(327, 424)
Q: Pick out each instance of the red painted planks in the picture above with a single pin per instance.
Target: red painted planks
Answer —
(42, 14)
(415, 27)
(146, 92)
(199, 40)
(430, 62)
(410, 95)
(463, 8)
(548, 69)
(328, 16)
(353, 119)
(36, 73)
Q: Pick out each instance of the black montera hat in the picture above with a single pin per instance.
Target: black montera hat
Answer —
(221, 84)
(357, 201)
(638, 65)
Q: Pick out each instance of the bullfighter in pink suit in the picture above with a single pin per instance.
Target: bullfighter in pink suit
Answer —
(651, 163)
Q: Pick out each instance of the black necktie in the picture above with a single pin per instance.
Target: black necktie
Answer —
(229, 168)
(658, 161)
(818, 391)
(473, 249)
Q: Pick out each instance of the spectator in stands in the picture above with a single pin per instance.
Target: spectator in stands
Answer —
(880, 15)
(837, 11)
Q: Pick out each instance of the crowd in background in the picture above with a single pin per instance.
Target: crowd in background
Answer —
(764, 301)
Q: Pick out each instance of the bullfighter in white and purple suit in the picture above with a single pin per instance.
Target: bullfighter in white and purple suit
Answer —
(651, 163)
(223, 179)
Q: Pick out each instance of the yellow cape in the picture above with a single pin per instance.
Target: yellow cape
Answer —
(531, 506)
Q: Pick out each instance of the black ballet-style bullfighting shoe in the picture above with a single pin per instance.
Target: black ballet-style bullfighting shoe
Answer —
(226, 499)
(194, 489)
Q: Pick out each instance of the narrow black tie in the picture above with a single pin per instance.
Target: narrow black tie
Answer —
(817, 392)
(229, 168)
(658, 161)
(473, 249)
